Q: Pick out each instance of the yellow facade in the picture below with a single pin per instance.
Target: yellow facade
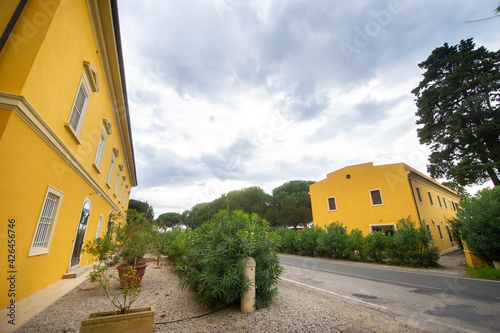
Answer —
(369, 197)
(66, 165)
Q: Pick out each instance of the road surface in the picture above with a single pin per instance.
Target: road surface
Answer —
(432, 302)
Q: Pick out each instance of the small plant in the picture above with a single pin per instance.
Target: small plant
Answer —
(105, 250)
(135, 238)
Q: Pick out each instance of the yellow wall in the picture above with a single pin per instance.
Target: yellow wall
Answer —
(42, 62)
(351, 188)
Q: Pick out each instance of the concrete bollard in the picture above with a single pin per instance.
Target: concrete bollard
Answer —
(248, 298)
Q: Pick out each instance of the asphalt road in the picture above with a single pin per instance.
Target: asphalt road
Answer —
(431, 302)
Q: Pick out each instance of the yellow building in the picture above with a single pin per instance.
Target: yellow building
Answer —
(67, 160)
(371, 198)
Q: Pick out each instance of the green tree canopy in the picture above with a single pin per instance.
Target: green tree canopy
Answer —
(170, 219)
(142, 207)
(292, 203)
(458, 108)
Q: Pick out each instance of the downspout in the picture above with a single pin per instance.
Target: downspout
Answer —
(12, 23)
(414, 199)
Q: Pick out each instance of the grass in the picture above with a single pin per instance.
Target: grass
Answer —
(488, 273)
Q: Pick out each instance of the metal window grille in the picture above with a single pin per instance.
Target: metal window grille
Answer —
(45, 221)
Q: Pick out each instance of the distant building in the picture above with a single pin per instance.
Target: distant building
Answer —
(369, 198)
(67, 161)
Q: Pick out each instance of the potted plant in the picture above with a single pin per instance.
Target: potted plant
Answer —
(122, 317)
(133, 240)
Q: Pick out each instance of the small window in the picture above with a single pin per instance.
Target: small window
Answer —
(440, 233)
(444, 201)
(46, 222)
(117, 180)
(439, 200)
(430, 233)
(100, 150)
(376, 197)
(430, 198)
(419, 195)
(388, 229)
(121, 192)
(110, 172)
(451, 204)
(98, 231)
(332, 204)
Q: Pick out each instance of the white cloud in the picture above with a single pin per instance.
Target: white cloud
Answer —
(227, 94)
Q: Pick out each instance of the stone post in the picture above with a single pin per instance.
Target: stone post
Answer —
(248, 298)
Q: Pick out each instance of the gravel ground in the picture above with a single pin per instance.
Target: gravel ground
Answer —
(295, 309)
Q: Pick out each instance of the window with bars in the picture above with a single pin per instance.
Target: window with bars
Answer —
(46, 222)
(332, 204)
(376, 197)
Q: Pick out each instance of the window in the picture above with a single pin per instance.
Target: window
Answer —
(332, 204)
(376, 197)
(100, 149)
(449, 235)
(451, 204)
(111, 225)
(98, 231)
(440, 233)
(110, 172)
(121, 189)
(120, 168)
(46, 222)
(87, 85)
(444, 201)
(439, 200)
(387, 229)
(430, 198)
(419, 195)
(430, 233)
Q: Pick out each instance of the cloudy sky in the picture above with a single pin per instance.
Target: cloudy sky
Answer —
(228, 94)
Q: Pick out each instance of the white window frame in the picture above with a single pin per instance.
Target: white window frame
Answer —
(88, 84)
(440, 231)
(100, 149)
(120, 168)
(328, 203)
(451, 205)
(99, 224)
(381, 197)
(121, 189)
(49, 232)
(430, 198)
(419, 195)
(378, 225)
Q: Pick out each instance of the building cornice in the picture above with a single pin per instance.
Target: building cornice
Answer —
(104, 19)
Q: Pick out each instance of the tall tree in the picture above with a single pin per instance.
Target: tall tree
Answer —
(458, 108)
(142, 207)
(292, 203)
(170, 219)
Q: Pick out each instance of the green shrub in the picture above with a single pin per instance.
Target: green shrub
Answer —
(377, 245)
(355, 246)
(333, 242)
(412, 247)
(456, 231)
(480, 217)
(210, 259)
(306, 240)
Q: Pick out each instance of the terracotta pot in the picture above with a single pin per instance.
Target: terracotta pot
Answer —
(136, 320)
(125, 281)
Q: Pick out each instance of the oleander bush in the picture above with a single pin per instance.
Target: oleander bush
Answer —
(409, 245)
(209, 260)
(412, 245)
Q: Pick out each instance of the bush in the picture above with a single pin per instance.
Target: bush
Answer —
(355, 246)
(210, 259)
(306, 240)
(333, 242)
(411, 246)
(480, 217)
(377, 244)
